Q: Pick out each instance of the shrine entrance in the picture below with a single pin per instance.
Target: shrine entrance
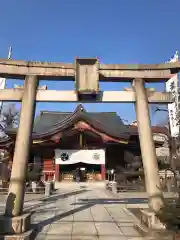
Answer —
(89, 164)
(86, 72)
(88, 172)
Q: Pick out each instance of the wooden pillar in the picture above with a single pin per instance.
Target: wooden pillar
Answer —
(103, 172)
(57, 172)
(15, 199)
(147, 147)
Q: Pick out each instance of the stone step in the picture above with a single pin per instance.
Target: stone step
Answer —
(23, 236)
(149, 234)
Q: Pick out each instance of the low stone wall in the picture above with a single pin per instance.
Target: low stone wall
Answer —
(149, 219)
(150, 227)
(117, 188)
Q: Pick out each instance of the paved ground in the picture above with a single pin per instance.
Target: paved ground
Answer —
(83, 213)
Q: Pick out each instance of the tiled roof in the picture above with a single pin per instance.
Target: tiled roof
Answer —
(155, 129)
(106, 122)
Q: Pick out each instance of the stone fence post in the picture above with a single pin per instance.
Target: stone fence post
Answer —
(114, 187)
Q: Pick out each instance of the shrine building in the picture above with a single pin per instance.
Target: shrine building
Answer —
(91, 141)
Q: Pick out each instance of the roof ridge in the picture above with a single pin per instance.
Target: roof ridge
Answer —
(60, 112)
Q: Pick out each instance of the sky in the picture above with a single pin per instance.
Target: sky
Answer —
(115, 31)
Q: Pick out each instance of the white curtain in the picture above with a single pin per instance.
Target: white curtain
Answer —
(75, 156)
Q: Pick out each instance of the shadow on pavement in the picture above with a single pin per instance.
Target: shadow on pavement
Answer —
(112, 201)
(39, 226)
(117, 201)
(87, 203)
(54, 198)
(61, 196)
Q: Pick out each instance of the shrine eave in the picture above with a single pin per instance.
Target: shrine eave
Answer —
(109, 124)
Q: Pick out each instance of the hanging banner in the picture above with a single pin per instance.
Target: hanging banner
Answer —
(76, 156)
(172, 86)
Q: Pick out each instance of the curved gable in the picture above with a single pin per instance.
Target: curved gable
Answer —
(108, 123)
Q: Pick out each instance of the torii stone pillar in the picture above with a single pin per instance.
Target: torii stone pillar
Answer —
(148, 151)
(15, 199)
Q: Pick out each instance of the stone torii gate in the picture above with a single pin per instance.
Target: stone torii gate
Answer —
(86, 73)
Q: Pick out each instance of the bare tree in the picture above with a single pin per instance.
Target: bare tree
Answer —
(164, 119)
(9, 118)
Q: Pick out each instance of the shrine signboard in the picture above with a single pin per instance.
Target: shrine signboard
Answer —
(172, 86)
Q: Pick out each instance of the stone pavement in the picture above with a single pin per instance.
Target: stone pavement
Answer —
(87, 213)
(84, 211)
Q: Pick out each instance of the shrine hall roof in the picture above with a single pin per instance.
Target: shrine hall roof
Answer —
(50, 123)
(105, 122)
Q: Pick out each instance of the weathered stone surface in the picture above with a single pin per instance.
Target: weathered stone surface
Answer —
(16, 225)
(150, 220)
(152, 234)
(114, 187)
(87, 75)
(23, 236)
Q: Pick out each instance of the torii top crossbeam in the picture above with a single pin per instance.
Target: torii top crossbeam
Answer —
(107, 72)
